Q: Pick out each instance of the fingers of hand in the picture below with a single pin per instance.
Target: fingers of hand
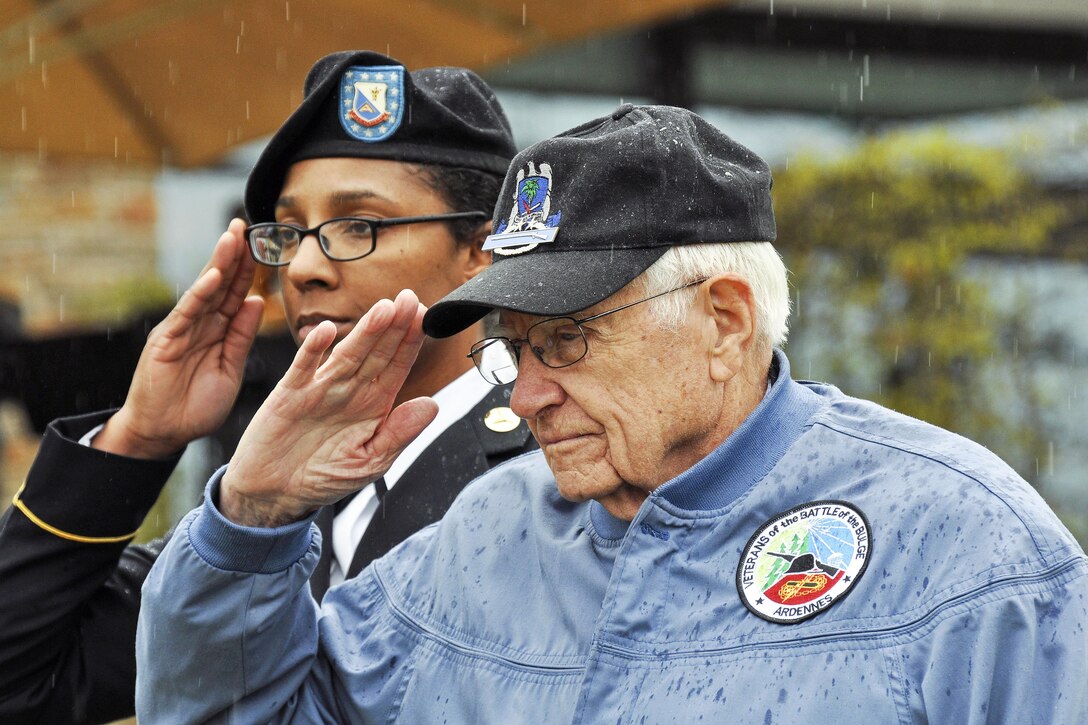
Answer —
(397, 342)
(220, 289)
(391, 377)
(366, 453)
(191, 306)
(371, 336)
(377, 342)
(225, 252)
(237, 226)
(243, 271)
(242, 332)
(308, 358)
(207, 295)
(230, 257)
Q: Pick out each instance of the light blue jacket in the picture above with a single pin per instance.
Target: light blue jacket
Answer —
(521, 607)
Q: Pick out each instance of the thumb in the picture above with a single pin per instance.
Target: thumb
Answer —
(404, 423)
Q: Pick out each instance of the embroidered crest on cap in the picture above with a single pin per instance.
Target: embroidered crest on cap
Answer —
(372, 101)
(803, 560)
(531, 222)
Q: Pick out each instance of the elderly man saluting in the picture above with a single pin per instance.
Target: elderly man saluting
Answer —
(701, 538)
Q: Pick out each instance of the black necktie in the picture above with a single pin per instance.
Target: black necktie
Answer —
(379, 492)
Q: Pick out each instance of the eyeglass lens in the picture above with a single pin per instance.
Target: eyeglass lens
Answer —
(342, 239)
(496, 361)
(557, 342)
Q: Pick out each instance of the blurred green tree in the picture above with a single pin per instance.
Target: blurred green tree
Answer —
(880, 240)
(122, 300)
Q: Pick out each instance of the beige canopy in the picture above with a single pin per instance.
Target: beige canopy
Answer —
(179, 82)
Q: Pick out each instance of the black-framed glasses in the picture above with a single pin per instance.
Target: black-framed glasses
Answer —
(558, 342)
(342, 239)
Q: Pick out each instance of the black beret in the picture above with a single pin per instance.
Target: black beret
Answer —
(364, 104)
(584, 213)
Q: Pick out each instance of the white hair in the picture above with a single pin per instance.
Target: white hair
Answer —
(758, 263)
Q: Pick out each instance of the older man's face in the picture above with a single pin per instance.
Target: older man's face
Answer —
(639, 409)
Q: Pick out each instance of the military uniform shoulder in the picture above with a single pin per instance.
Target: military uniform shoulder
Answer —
(900, 434)
(941, 515)
(929, 482)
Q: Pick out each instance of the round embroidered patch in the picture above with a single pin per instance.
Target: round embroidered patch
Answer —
(803, 560)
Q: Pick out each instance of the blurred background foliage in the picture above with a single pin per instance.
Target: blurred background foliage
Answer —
(121, 301)
(879, 243)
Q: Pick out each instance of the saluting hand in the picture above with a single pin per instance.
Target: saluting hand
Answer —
(330, 428)
(191, 368)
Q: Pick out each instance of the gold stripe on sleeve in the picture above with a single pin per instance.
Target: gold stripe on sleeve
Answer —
(18, 502)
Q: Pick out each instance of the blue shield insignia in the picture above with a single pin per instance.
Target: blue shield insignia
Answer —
(532, 191)
(372, 101)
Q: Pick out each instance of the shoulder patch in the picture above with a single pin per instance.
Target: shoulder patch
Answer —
(802, 561)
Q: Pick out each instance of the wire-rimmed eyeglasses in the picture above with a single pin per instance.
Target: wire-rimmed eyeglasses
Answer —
(558, 342)
(342, 239)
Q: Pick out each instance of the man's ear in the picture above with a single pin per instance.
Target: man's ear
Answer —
(732, 315)
(473, 258)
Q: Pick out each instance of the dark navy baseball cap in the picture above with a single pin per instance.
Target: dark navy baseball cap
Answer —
(584, 213)
(366, 105)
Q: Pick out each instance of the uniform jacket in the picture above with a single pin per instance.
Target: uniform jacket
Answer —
(521, 607)
(68, 609)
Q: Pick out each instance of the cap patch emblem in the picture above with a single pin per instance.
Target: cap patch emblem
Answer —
(803, 560)
(372, 101)
(531, 222)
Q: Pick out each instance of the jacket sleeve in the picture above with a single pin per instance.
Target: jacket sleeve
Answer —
(228, 629)
(1016, 651)
(229, 632)
(69, 581)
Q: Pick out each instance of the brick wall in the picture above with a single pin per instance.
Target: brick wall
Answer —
(68, 231)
